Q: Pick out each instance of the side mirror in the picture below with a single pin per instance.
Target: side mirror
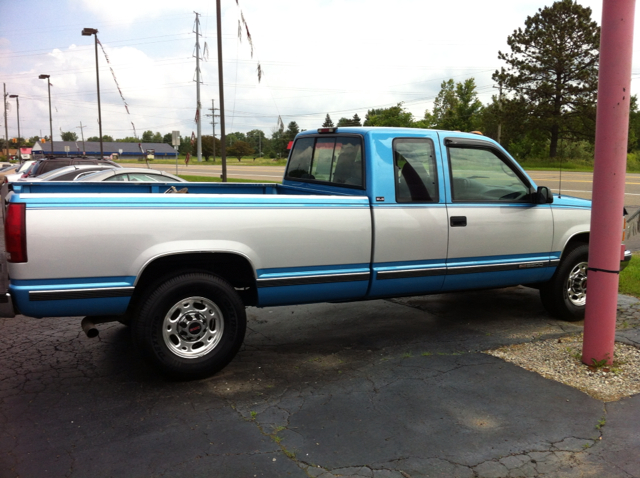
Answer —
(544, 195)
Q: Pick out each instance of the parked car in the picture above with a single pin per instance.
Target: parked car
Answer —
(18, 170)
(70, 173)
(49, 164)
(132, 175)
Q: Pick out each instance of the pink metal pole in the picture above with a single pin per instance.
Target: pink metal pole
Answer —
(612, 123)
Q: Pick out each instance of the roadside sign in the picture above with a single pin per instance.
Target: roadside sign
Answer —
(175, 138)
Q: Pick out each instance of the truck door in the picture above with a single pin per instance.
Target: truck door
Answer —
(498, 234)
(410, 230)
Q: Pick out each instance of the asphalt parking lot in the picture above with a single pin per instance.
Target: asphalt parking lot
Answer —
(378, 389)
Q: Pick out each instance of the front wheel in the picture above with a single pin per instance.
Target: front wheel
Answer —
(191, 326)
(565, 295)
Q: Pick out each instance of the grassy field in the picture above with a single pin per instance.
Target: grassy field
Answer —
(630, 277)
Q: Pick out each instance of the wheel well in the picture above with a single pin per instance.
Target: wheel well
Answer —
(574, 242)
(233, 268)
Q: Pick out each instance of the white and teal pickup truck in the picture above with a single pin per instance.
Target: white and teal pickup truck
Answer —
(362, 213)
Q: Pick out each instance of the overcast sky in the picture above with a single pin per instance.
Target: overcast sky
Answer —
(318, 56)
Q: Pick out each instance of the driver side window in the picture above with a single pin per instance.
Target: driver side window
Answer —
(479, 175)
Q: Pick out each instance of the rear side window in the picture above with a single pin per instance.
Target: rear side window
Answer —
(335, 159)
(415, 170)
(47, 166)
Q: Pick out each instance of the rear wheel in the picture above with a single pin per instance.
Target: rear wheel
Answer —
(565, 295)
(191, 326)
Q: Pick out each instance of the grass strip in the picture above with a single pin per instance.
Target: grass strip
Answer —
(630, 277)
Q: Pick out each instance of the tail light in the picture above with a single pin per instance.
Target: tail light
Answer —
(15, 233)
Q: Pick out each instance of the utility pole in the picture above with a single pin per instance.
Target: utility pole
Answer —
(84, 152)
(6, 128)
(199, 105)
(223, 141)
(213, 122)
(18, 110)
(88, 32)
(48, 78)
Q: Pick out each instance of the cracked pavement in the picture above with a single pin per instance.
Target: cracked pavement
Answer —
(381, 389)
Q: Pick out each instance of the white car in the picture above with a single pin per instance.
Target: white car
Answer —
(24, 167)
(132, 175)
(69, 173)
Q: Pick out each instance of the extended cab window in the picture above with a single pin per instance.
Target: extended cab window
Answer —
(415, 170)
(334, 159)
(480, 175)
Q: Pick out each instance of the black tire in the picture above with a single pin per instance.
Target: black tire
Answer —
(191, 326)
(564, 296)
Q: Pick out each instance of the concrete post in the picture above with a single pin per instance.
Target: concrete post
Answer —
(612, 123)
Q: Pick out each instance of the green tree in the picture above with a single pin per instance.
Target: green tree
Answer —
(167, 138)
(185, 145)
(327, 122)
(278, 144)
(69, 136)
(355, 121)
(633, 143)
(468, 107)
(553, 65)
(456, 107)
(444, 106)
(105, 137)
(240, 149)
(207, 147)
(292, 130)
(394, 116)
(258, 141)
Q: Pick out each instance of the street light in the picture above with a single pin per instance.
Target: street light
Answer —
(18, 110)
(46, 77)
(87, 32)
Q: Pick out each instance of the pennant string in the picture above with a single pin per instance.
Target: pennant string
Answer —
(126, 106)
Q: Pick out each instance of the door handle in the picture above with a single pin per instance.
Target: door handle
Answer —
(458, 221)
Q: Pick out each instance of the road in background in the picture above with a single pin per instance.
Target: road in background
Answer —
(581, 184)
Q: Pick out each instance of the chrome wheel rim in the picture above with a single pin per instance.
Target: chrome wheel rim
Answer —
(192, 327)
(577, 284)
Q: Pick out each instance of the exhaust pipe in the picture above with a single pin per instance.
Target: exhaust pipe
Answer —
(88, 324)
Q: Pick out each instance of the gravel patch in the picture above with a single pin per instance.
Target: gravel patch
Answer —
(559, 360)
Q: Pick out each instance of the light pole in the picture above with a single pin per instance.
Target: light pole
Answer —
(88, 32)
(46, 77)
(18, 110)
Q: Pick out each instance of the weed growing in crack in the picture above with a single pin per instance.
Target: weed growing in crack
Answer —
(602, 422)
(407, 355)
(427, 354)
(254, 414)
